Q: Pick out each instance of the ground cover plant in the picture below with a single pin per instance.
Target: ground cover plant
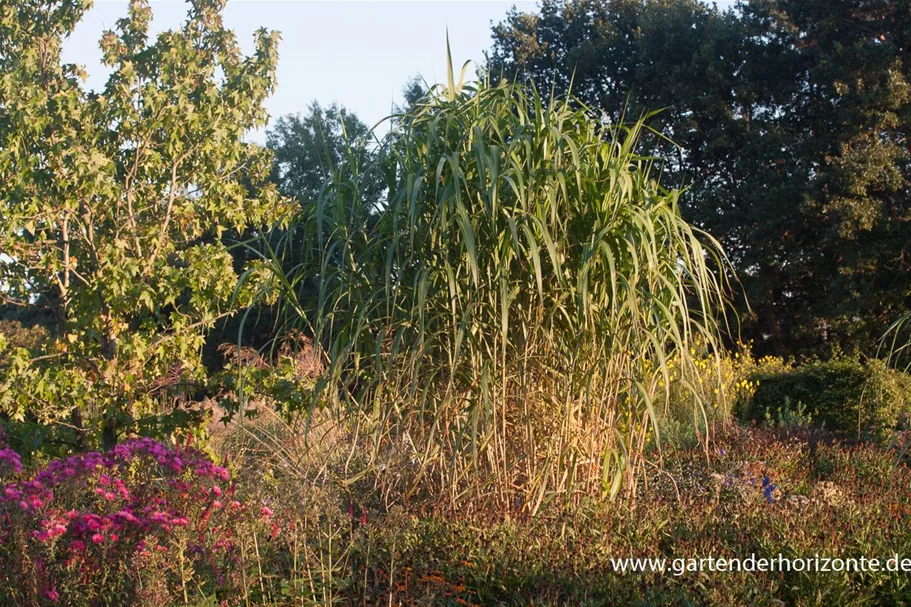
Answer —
(282, 532)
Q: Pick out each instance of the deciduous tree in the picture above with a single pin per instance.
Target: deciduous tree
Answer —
(114, 204)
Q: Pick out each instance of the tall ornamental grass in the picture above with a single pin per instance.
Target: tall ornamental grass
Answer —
(502, 320)
(896, 343)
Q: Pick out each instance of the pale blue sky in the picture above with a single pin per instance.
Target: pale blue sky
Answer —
(357, 53)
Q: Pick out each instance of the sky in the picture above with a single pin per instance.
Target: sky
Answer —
(357, 53)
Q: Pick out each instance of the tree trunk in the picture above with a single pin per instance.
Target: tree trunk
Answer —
(109, 422)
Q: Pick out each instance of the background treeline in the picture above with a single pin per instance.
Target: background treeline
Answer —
(787, 122)
(791, 122)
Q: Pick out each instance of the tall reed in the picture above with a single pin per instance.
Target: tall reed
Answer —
(503, 318)
(896, 343)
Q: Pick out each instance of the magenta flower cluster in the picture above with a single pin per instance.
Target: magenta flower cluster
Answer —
(89, 507)
(10, 462)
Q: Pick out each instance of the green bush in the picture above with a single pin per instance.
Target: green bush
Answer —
(842, 394)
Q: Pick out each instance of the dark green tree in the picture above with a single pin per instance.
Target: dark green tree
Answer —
(791, 120)
(308, 147)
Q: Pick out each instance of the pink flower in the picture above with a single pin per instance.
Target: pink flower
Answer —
(98, 538)
(266, 511)
(12, 459)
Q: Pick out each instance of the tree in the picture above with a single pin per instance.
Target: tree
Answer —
(308, 147)
(790, 119)
(115, 203)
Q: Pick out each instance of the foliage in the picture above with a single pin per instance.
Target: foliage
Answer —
(320, 541)
(115, 205)
(16, 335)
(722, 386)
(791, 119)
(492, 319)
(761, 492)
(282, 383)
(789, 415)
(141, 524)
(698, 509)
(896, 343)
(843, 394)
(309, 147)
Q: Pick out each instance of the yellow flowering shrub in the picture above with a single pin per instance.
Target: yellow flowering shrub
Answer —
(721, 388)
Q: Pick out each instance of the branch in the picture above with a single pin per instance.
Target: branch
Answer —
(189, 327)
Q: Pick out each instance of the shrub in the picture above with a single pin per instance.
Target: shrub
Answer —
(842, 394)
(719, 385)
(141, 524)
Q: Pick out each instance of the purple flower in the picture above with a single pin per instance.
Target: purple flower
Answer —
(11, 459)
(767, 489)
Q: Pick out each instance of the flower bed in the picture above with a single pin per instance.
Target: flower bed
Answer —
(144, 521)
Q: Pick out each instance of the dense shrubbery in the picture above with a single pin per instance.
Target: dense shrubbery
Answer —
(863, 398)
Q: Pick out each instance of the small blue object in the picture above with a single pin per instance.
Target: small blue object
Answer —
(767, 489)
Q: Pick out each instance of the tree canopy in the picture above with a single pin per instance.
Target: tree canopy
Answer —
(792, 121)
(309, 146)
(115, 204)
